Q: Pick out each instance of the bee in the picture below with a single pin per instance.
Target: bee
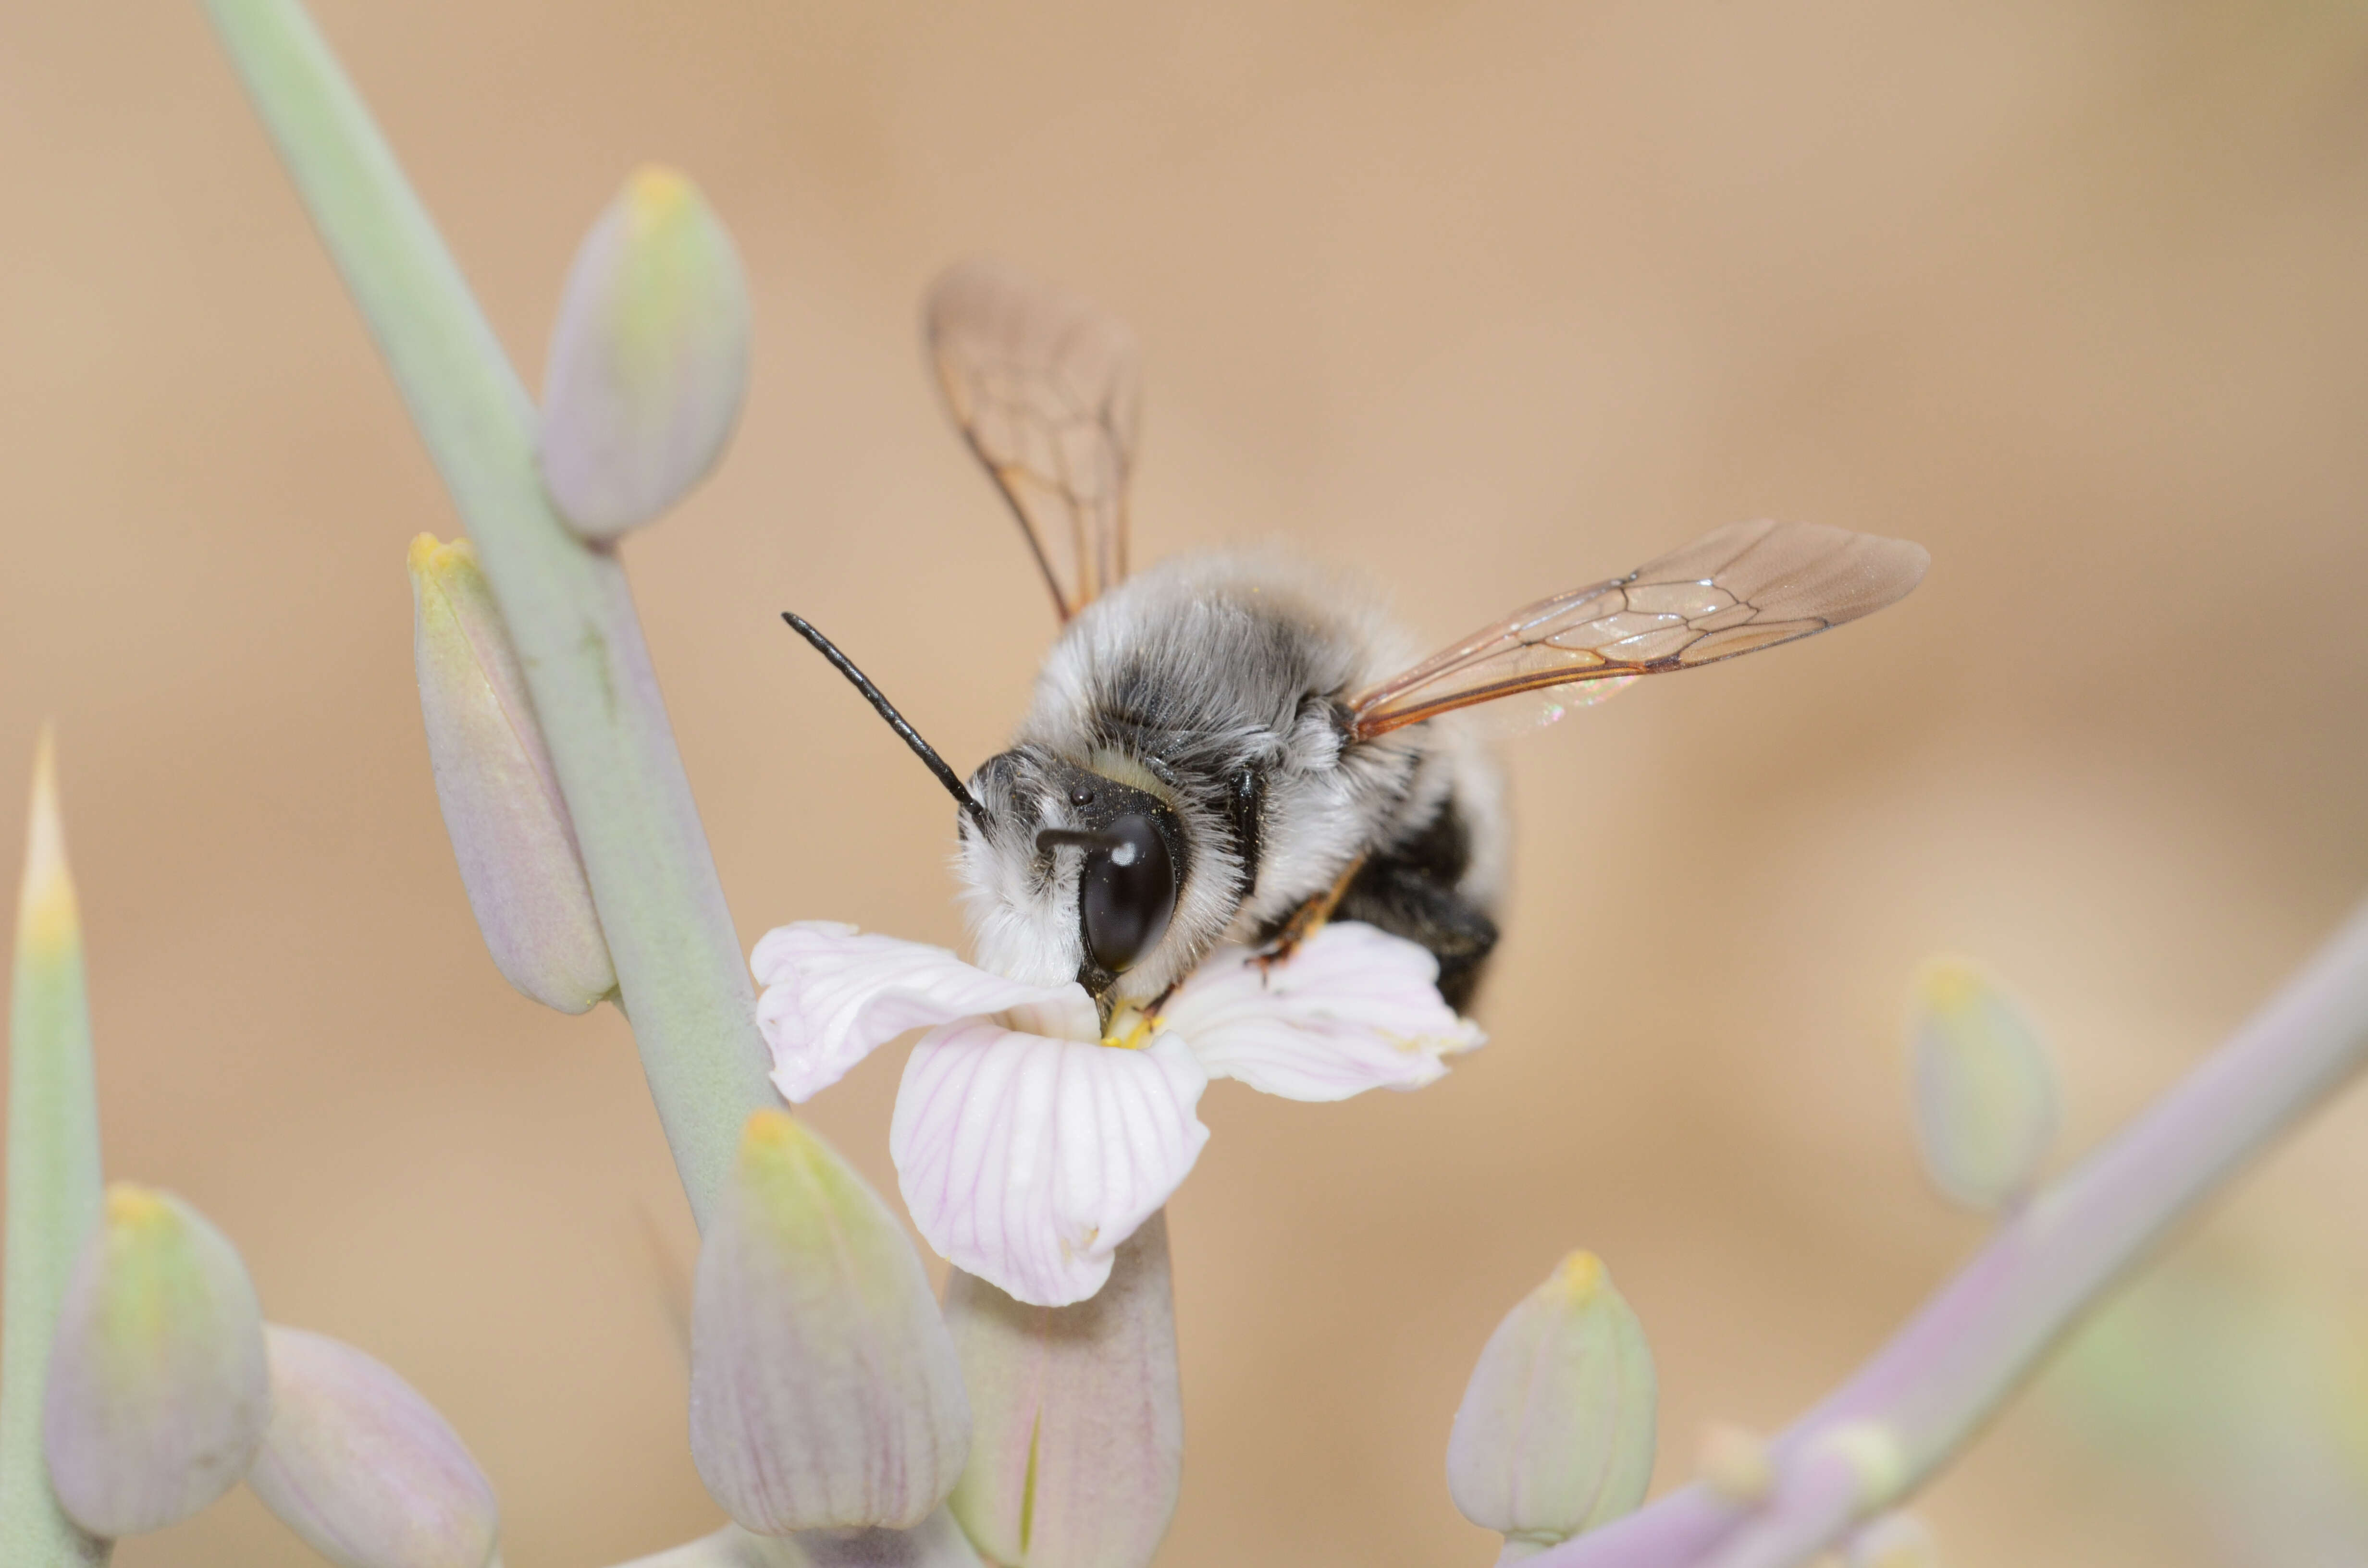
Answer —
(1235, 747)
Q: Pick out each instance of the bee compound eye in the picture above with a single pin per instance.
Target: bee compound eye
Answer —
(1128, 894)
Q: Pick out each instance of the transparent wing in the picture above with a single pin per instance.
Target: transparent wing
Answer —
(1046, 389)
(1744, 587)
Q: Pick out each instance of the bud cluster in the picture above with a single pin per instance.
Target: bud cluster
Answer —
(165, 1388)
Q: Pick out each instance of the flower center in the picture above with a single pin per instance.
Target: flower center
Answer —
(1131, 1028)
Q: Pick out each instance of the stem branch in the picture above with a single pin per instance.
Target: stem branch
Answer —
(1943, 1374)
(684, 984)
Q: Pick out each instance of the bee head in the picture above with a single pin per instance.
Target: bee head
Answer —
(1073, 874)
(1070, 871)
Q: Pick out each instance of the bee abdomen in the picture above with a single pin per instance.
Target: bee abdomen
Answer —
(1412, 891)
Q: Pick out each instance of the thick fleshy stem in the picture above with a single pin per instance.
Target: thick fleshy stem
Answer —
(684, 982)
(53, 1179)
(1927, 1391)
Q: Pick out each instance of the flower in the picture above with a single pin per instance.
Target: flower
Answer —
(1028, 1142)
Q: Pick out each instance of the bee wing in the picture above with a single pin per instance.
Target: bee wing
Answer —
(1047, 390)
(1744, 587)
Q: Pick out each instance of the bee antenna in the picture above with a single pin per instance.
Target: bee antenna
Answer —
(886, 710)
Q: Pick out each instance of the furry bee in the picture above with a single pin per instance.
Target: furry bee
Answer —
(1234, 748)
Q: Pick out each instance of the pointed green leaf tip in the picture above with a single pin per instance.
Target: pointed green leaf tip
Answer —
(503, 810)
(1985, 1096)
(54, 1180)
(1079, 1447)
(649, 359)
(824, 1389)
(1554, 1436)
(362, 1467)
(158, 1388)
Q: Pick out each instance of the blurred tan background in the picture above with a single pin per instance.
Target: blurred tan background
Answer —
(1490, 299)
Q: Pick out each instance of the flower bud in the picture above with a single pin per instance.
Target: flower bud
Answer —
(1895, 1541)
(1554, 1436)
(1079, 1443)
(649, 359)
(936, 1543)
(158, 1393)
(362, 1467)
(502, 807)
(824, 1389)
(1986, 1102)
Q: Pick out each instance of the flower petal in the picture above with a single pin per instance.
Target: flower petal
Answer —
(1026, 1160)
(1355, 1008)
(833, 995)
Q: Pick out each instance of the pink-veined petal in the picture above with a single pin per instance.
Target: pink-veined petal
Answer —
(1355, 1008)
(1026, 1160)
(833, 995)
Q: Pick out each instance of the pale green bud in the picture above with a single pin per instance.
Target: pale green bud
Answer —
(824, 1389)
(509, 825)
(1554, 1436)
(364, 1469)
(1986, 1097)
(1078, 1449)
(649, 359)
(158, 1391)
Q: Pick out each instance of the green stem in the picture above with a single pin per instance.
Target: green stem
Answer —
(685, 985)
(53, 1181)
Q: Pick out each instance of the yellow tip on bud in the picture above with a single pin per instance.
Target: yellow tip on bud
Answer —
(1580, 1277)
(655, 194)
(129, 1207)
(47, 919)
(431, 557)
(1948, 984)
(770, 1131)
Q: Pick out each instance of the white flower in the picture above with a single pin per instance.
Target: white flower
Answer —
(1028, 1145)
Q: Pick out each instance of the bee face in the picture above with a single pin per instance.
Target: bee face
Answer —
(1072, 874)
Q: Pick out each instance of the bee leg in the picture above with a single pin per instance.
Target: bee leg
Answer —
(1307, 919)
(1406, 900)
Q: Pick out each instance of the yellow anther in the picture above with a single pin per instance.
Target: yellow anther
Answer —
(1131, 1029)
